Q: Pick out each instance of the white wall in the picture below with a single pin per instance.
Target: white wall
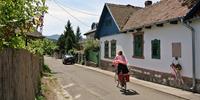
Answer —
(196, 25)
(167, 34)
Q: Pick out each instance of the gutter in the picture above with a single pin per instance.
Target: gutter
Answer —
(186, 24)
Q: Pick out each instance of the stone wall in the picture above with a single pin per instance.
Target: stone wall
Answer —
(155, 76)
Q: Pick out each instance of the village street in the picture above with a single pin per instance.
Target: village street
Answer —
(85, 84)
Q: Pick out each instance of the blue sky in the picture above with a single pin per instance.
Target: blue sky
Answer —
(80, 12)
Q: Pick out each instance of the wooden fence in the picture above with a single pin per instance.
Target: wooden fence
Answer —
(19, 74)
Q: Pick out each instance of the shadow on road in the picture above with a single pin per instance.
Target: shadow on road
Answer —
(129, 92)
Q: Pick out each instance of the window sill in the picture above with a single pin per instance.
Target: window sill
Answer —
(142, 57)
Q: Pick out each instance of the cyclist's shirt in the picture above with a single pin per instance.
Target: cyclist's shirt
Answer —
(120, 59)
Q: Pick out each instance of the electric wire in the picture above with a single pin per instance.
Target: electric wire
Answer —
(70, 14)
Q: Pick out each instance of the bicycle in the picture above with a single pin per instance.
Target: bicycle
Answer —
(122, 80)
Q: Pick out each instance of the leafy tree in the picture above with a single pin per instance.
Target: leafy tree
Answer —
(16, 18)
(91, 44)
(42, 46)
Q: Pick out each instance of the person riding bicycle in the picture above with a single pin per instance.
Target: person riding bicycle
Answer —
(121, 63)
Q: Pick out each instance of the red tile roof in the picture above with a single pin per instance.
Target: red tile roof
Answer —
(158, 12)
(121, 13)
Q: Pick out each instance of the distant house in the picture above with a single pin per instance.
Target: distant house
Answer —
(91, 33)
(151, 37)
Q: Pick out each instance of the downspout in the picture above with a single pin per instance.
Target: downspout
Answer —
(186, 24)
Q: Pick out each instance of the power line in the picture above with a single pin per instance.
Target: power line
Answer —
(80, 11)
(70, 14)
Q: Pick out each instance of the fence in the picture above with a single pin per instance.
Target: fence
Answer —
(93, 56)
(19, 74)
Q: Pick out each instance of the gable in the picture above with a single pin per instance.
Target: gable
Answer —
(121, 13)
(107, 25)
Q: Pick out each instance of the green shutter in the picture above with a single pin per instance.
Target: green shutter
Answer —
(113, 49)
(155, 49)
(138, 45)
(106, 49)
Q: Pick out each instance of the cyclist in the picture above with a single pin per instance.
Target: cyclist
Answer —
(121, 63)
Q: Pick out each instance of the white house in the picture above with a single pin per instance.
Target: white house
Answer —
(152, 37)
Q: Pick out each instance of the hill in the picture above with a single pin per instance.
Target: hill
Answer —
(53, 37)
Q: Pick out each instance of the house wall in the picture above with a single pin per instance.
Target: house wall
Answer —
(167, 35)
(196, 25)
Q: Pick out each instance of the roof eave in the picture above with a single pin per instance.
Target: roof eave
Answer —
(155, 23)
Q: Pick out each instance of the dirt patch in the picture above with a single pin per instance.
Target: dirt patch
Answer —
(52, 89)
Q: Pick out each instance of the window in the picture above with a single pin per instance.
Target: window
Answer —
(106, 49)
(138, 46)
(155, 49)
(176, 49)
(113, 48)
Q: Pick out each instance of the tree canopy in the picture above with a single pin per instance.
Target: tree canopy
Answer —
(67, 41)
(16, 17)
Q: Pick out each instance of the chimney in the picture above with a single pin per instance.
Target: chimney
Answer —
(148, 3)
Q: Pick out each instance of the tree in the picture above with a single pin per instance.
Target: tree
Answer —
(61, 44)
(78, 38)
(68, 40)
(16, 18)
(78, 35)
(42, 46)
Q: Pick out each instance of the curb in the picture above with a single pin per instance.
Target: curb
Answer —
(165, 89)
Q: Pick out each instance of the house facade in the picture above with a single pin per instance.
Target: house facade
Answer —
(152, 37)
(91, 33)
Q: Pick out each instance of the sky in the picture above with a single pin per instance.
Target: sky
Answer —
(81, 13)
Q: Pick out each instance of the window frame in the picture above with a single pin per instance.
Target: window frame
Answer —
(113, 53)
(134, 45)
(106, 49)
(155, 42)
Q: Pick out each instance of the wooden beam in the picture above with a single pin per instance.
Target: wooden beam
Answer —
(148, 27)
(173, 22)
(138, 29)
(160, 25)
(131, 30)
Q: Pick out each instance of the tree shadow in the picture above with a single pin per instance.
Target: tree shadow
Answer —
(129, 92)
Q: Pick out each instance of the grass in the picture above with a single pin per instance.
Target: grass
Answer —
(42, 87)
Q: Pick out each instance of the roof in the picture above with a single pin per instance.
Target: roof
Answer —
(188, 3)
(91, 31)
(121, 13)
(162, 11)
(35, 34)
(195, 11)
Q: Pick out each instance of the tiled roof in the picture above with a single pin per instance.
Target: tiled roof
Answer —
(158, 12)
(188, 3)
(90, 31)
(121, 13)
(35, 34)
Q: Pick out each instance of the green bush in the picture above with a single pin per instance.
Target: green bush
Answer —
(46, 69)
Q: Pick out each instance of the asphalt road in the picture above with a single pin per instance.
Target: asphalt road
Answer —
(85, 84)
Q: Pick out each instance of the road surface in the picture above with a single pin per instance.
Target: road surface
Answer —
(85, 84)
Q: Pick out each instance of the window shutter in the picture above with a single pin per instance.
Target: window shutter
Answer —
(155, 49)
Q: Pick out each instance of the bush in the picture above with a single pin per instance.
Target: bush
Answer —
(46, 69)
